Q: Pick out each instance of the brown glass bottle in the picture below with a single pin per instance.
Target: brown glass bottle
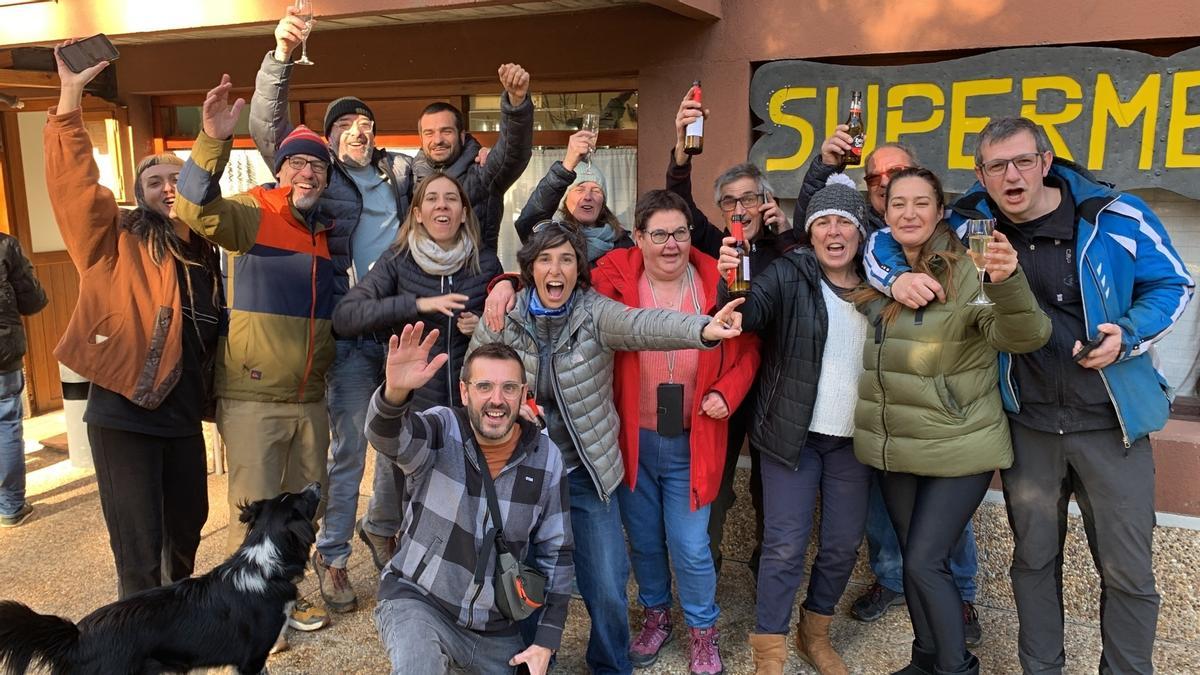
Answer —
(693, 142)
(739, 278)
(857, 130)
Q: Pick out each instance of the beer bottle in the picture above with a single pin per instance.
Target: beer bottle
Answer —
(693, 143)
(739, 277)
(857, 131)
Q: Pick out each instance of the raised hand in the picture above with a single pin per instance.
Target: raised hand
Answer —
(515, 81)
(289, 33)
(446, 304)
(408, 366)
(219, 117)
(689, 111)
(578, 146)
(725, 324)
(71, 93)
(729, 259)
(834, 149)
(1000, 261)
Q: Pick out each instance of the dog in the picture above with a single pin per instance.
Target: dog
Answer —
(228, 617)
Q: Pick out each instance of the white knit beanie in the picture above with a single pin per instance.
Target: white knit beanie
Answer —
(839, 197)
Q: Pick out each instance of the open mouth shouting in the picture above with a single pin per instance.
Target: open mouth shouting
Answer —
(556, 292)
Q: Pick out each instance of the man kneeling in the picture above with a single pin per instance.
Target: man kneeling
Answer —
(437, 606)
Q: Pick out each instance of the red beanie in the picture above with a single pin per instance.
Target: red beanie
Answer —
(302, 141)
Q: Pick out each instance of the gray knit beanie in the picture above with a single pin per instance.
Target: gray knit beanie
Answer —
(839, 197)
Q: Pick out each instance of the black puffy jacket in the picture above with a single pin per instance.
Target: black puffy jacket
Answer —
(20, 295)
(386, 299)
(785, 307)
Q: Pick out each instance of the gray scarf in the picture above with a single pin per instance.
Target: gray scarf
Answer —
(434, 259)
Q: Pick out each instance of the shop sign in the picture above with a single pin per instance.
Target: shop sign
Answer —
(1131, 118)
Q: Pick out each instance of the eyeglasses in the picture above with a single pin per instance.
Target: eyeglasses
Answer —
(298, 163)
(553, 223)
(510, 390)
(729, 203)
(997, 167)
(875, 179)
(661, 236)
(362, 126)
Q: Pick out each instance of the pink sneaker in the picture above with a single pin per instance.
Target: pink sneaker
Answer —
(704, 652)
(655, 632)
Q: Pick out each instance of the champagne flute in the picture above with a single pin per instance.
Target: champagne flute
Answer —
(304, 12)
(979, 235)
(591, 122)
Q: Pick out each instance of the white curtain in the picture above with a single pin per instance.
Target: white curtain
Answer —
(619, 166)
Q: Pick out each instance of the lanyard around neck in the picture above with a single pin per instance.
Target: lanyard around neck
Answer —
(691, 282)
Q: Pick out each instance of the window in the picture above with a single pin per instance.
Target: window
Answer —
(561, 112)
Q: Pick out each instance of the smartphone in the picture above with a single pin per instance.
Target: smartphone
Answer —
(1088, 347)
(670, 409)
(86, 53)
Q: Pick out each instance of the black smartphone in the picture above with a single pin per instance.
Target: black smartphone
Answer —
(80, 56)
(670, 409)
(1088, 347)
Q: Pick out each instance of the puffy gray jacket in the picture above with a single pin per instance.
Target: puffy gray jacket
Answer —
(583, 366)
(341, 203)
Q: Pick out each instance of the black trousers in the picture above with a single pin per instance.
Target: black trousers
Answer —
(929, 515)
(154, 494)
(1114, 487)
(739, 423)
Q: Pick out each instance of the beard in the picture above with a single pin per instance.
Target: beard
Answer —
(358, 157)
(476, 417)
(307, 201)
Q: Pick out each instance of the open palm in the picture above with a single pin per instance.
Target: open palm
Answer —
(408, 365)
(220, 118)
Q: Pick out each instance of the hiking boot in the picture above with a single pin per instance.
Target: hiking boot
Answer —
(972, 631)
(335, 586)
(17, 518)
(655, 632)
(704, 654)
(873, 604)
(306, 616)
(382, 548)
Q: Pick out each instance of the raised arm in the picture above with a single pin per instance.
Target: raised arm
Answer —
(269, 122)
(545, 198)
(766, 289)
(85, 210)
(229, 222)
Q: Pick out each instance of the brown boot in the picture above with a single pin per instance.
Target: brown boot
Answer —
(770, 653)
(812, 640)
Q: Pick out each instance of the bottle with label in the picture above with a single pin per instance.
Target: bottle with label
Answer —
(739, 278)
(693, 142)
(857, 130)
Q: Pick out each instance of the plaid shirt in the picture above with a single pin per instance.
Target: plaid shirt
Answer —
(446, 516)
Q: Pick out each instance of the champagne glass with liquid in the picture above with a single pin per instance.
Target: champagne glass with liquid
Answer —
(304, 12)
(979, 235)
(591, 122)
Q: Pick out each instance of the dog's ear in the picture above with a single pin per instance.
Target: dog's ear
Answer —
(250, 512)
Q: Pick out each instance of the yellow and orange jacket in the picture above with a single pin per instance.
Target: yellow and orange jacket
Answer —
(278, 343)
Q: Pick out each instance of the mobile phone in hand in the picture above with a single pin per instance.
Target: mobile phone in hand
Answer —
(80, 56)
(1088, 347)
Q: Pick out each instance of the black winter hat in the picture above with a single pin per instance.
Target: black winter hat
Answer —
(346, 105)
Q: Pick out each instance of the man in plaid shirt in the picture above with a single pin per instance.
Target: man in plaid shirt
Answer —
(432, 614)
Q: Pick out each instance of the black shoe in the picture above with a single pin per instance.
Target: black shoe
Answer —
(875, 602)
(972, 631)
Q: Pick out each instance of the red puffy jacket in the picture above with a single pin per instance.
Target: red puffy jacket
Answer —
(729, 370)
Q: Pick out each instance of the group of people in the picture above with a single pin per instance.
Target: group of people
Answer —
(585, 414)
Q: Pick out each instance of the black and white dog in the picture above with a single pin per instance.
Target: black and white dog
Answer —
(228, 617)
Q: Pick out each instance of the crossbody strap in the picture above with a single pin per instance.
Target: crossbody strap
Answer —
(494, 539)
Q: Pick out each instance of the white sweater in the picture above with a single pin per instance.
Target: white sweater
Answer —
(841, 366)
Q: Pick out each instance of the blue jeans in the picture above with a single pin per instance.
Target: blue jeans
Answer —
(828, 470)
(664, 532)
(12, 443)
(602, 571)
(356, 373)
(888, 562)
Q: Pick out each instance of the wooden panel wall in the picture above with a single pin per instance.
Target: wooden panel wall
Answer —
(61, 281)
